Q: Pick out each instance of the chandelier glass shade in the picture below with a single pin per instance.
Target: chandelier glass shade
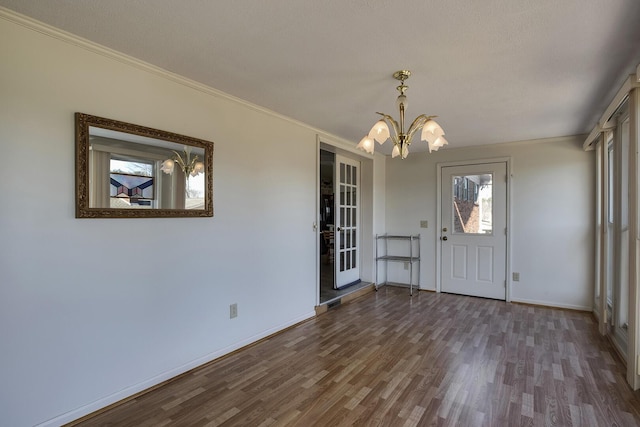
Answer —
(431, 133)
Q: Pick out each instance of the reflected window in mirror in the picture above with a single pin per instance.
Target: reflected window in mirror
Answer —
(131, 183)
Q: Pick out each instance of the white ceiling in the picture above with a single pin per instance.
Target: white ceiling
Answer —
(492, 70)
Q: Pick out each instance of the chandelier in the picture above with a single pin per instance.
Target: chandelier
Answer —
(432, 133)
(189, 165)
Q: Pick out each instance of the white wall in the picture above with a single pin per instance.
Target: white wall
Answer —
(92, 311)
(552, 215)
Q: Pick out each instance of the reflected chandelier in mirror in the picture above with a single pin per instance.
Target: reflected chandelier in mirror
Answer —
(130, 171)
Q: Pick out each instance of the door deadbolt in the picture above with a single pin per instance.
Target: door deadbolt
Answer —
(444, 229)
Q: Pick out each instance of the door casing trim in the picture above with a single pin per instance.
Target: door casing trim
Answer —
(336, 146)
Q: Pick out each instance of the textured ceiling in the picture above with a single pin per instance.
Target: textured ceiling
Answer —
(492, 70)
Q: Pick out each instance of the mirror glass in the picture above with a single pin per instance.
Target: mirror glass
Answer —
(127, 171)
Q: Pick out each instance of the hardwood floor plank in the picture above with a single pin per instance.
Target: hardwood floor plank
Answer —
(392, 360)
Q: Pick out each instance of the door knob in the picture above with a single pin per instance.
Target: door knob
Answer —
(445, 238)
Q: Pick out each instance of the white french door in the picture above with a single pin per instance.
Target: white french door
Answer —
(347, 219)
(473, 230)
(617, 233)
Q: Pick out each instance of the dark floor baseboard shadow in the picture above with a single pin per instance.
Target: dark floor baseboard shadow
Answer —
(349, 295)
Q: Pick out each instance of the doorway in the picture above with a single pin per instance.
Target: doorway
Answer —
(339, 226)
(473, 238)
(327, 225)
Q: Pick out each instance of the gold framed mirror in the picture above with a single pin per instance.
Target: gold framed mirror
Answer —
(130, 171)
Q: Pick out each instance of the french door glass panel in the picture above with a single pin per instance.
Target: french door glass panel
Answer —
(622, 294)
(617, 236)
(599, 225)
(347, 248)
(610, 234)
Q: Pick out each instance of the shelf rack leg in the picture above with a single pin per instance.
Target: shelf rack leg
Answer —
(411, 266)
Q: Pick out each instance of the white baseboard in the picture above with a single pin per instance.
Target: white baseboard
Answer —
(137, 388)
(552, 304)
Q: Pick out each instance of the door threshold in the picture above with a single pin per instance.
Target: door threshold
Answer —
(340, 288)
(342, 299)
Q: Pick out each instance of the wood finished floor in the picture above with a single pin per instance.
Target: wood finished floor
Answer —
(388, 359)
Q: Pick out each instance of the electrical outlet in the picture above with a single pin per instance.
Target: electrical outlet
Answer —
(424, 224)
(516, 277)
(233, 310)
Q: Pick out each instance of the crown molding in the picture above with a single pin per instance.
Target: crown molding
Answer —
(555, 139)
(74, 40)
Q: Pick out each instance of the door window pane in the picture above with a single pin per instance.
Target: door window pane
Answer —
(610, 221)
(472, 204)
(610, 181)
(599, 244)
(622, 300)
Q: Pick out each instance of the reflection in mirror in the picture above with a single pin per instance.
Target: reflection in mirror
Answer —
(143, 173)
(126, 170)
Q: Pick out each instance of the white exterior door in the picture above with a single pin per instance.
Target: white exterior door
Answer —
(473, 235)
(347, 219)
